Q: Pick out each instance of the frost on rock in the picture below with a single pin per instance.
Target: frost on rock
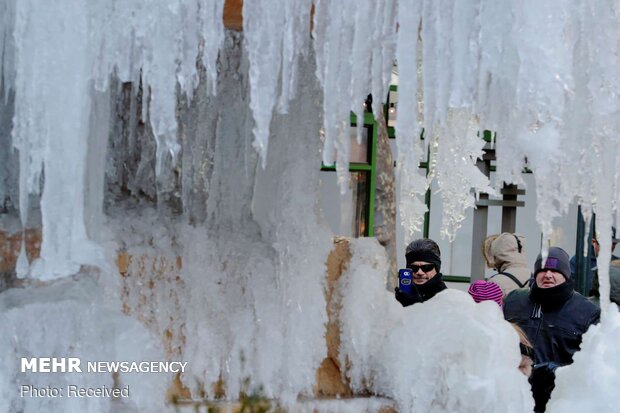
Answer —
(396, 352)
(255, 287)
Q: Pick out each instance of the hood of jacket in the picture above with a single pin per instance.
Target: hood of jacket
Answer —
(508, 257)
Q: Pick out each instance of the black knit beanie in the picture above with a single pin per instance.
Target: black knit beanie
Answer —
(424, 255)
(557, 260)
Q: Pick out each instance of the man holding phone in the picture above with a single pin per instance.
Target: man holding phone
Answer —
(422, 281)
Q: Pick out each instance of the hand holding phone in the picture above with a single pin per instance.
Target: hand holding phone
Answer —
(405, 280)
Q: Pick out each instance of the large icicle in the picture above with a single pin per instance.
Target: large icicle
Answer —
(60, 55)
(383, 51)
(160, 34)
(51, 121)
(341, 29)
(262, 26)
(295, 43)
(458, 149)
(333, 38)
(412, 185)
(274, 56)
(210, 14)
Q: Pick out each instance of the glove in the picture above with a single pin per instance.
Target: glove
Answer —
(543, 383)
(406, 299)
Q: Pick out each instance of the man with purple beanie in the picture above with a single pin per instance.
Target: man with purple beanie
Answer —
(553, 316)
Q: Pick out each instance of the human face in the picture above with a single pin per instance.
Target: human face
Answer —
(420, 276)
(549, 278)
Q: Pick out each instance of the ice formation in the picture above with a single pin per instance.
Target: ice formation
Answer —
(276, 37)
(78, 75)
(548, 93)
(412, 184)
(365, 30)
(256, 294)
(72, 319)
(72, 50)
(598, 361)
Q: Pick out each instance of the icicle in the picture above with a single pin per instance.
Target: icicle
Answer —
(262, 26)
(464, 53)
(459, 148)
(188, 45)
(334, 37)
(295, 42)
(51, 115)
(360, 61)
(342, 29)
(383, 51)
(412, 184)
(22, 266)
(211, 21)
(603, 87)
(159, 74)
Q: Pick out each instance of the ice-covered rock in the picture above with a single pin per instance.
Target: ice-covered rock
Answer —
(70, 318)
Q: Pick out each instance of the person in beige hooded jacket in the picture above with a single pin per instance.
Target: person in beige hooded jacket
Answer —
(506, 254)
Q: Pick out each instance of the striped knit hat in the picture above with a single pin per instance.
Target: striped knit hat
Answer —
(482, 290)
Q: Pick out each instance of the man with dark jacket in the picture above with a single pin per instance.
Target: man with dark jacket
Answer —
(553, 316)
(592, 272)
(614, 285)
(424, 259)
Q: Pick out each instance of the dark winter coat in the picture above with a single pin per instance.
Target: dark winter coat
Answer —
(591, 274)
(554, 320)
(614, 280)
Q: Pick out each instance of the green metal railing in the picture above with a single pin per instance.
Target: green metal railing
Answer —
(370, 168)
(456, 279)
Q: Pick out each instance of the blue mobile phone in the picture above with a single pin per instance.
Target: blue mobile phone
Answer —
(405, 279)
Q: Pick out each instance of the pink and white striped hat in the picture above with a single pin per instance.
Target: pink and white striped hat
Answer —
(482, 290)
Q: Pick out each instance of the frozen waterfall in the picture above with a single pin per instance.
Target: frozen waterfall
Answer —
(144, 129)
